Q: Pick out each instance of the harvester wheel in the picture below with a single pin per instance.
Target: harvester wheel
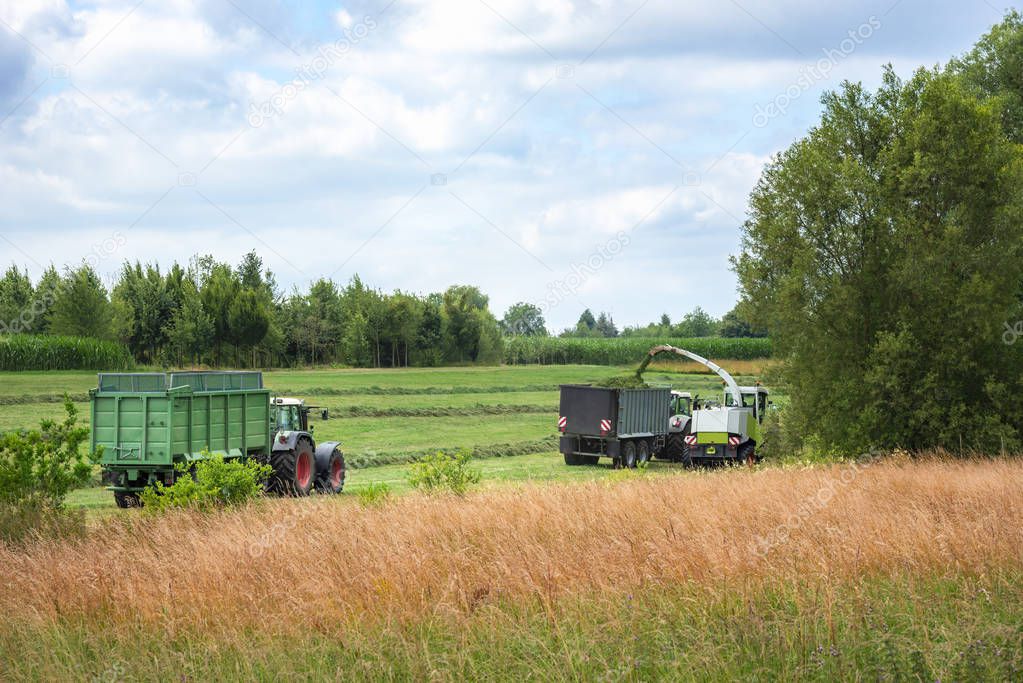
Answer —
(294, 470)
(629, 455)
(747, 454)
(643, 453)
(333, 479)
(127, 499)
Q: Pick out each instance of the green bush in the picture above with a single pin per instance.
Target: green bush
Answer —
(210, 483)
(21, 352)
(444, 472)
(37, 470)
(374, 493)
(625, 350)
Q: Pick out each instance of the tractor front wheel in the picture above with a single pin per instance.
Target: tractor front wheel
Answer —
(294, 470)
(332, 480)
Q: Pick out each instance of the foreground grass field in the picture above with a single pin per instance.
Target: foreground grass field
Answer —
(890, 571)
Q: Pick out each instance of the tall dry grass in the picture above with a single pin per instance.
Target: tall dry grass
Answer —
(315, 563)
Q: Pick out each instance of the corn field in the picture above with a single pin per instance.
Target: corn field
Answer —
(45, 352)
(624, 350)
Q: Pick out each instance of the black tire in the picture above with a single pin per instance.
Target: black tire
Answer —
(747, 454)
(678, 449)
(294, 470)
(628, 459)
(643, 453)
(573, 459)
(591, 459)
(332, 480)
(127, 499)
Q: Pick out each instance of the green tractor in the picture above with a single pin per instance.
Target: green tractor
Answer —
(299, 463)
(725, 432)
(154, 426)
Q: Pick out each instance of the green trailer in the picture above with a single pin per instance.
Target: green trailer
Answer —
(149, 423)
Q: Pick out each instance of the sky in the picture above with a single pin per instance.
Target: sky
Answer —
(567, 153)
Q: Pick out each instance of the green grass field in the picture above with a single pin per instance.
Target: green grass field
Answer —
(387, 413)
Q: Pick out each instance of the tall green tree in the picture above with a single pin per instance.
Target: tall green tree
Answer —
(697, 323)
(190, 331)
(248, 320)
(884, 253)
(16, 302)
(524, 319)
(82, 309)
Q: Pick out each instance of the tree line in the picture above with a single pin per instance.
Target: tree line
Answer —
(210, 313)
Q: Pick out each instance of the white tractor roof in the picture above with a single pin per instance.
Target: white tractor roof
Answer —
(683, 394)
(754, 390)
(288, 402)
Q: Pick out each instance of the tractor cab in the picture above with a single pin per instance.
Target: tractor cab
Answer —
(290, 415)
(754, 397)
(681, 403)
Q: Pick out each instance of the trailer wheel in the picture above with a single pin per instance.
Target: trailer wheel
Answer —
(643, 453)
(573, 460)
(332, 480)
(629, 455)
(591, 459)
(127, 499)
(294, 470)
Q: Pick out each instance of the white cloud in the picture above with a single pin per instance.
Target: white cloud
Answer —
(433, 87)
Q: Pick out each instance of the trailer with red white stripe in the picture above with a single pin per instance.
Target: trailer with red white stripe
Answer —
(629, 426)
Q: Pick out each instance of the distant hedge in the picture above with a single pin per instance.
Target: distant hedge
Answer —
(46, 352)
(624, 350)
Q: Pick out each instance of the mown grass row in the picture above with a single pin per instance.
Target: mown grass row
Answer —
(370, 458)
(440, 411)
(624, 350)
(20, 352)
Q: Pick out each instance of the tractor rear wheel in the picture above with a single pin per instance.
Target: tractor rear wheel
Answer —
(678, 449)
(294, 470)
(332, 480)
(127, 499)
(643, 453)
(629, 455)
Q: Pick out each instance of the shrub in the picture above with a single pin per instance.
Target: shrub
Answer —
(37, 469)
(374, 493)
(210, 483)
(442, 471)
(21, 352)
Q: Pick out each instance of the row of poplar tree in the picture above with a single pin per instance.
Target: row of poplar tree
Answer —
(208, 312)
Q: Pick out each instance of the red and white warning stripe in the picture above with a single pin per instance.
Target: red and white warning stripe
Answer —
(562, 422)
(733, 441)
(690, 439)
(605, 425)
